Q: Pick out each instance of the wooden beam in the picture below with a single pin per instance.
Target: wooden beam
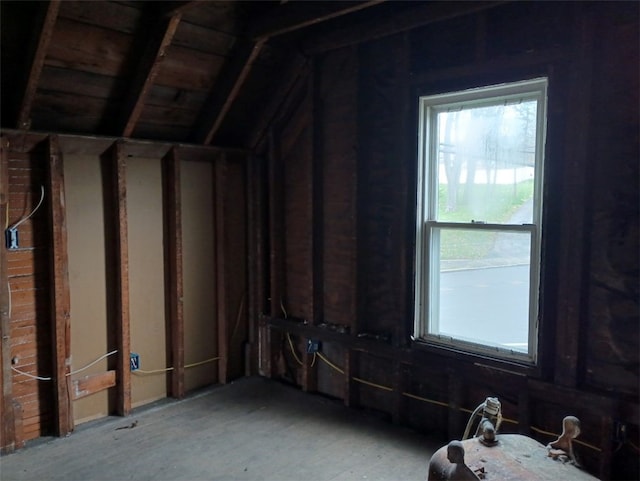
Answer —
(254, 262)
(295, 16)
(276, 243)
(22, 141)
(173, 272)
(297, 68)
(120, 287)
(149, 65)
(309, 372)
(351, 393)
(399, 404)
(226, 89)
(317, 198)
(402, 21)
(37, 62)
(573, 244)
(222, 291)
(92, 384)
(276, 227)
(60, 297)
(7, 419)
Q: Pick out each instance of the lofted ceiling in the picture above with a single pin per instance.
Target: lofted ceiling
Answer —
(203, 72)
(200, 72)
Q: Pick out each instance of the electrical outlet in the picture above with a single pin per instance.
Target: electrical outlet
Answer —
(11, 238)
(313, 346)
(619, 432)
(134, 361)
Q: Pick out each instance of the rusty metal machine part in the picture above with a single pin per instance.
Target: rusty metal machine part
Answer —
(514, 458)
(507, 457)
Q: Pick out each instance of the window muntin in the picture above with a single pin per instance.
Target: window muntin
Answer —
(478, 226)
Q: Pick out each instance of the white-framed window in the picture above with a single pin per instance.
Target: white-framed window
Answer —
(479, 212)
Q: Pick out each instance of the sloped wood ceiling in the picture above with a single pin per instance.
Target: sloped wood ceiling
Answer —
(197, 72)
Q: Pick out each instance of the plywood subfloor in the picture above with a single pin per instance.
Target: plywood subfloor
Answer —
(252, 429)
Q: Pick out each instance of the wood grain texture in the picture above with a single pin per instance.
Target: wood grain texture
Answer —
(173, 270)
(37, 63)
(148, 66)
(60, 296)
(119, 288)
(88, 385)
(8, 430)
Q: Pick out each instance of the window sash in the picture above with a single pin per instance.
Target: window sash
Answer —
(427, 254)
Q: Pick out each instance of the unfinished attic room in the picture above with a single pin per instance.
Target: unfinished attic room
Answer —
(322, 240)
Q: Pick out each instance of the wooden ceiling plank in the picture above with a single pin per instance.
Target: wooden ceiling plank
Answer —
(226, 89)
(24, 121)
(399, 22)
(297, 15)
(153, 56)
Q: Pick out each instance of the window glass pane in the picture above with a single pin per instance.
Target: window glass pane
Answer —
(483, 294)
(486, 158)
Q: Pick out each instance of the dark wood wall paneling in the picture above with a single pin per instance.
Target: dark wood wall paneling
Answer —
(364, 138)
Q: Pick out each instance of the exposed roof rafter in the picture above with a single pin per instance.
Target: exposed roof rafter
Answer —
(296, 15)
(296, 68)
(37, 62)
(226, 89)
(143, 80)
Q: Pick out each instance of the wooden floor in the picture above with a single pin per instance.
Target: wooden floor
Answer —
(252, 429)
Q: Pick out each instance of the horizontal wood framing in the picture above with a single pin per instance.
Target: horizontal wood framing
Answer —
(92, 384)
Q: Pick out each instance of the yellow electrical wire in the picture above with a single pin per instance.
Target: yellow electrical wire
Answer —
(202, 362)
(372, 384)
(443, 404)
(329, 363)
(424, 399)
(156, 371)
(293, 351)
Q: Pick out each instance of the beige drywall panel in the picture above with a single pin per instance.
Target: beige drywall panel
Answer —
(199, 279)
(146, 277)
(87, 279)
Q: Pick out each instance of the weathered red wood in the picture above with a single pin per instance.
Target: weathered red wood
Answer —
(222, 288)
(60, 296)
(295, 16)
(226, 89)
(37, 63)
(7, 416)
(92, 384)
(120, 248)
(173, 262)
(149, 66)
